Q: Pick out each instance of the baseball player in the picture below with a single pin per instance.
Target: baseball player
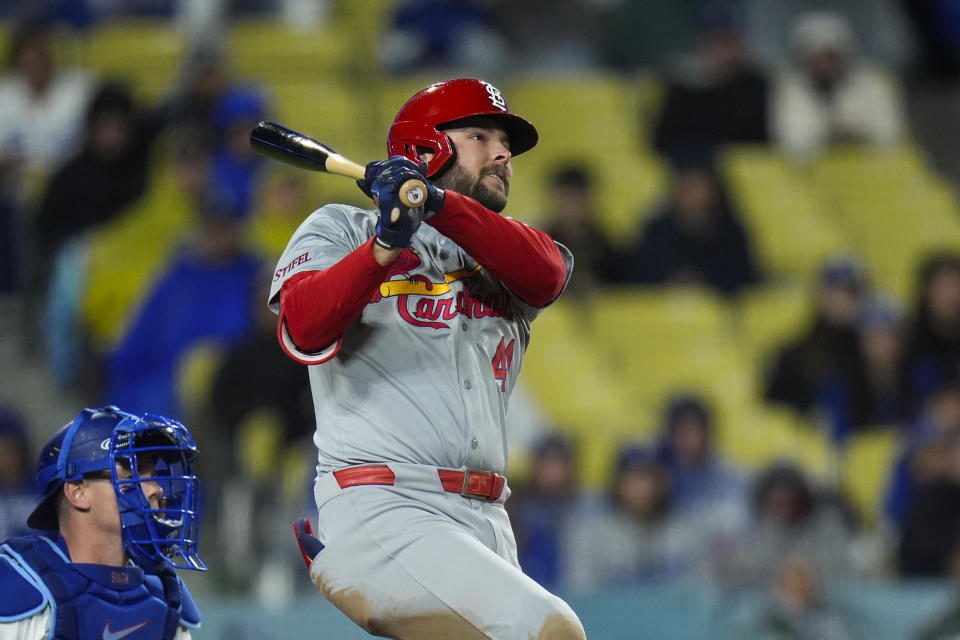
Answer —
(414, 323)
(119, 514)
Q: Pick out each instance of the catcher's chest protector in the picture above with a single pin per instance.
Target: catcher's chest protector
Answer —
(97, 601)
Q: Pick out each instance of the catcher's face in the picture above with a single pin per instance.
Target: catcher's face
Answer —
(95, 494)
(482, 170)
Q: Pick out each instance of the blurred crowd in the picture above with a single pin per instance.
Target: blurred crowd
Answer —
(80, 154)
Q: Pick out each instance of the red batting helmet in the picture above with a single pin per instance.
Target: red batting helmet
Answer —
(422, 119)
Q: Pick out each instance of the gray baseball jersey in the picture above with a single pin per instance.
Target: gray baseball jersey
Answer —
(420, 381)
(425, 375)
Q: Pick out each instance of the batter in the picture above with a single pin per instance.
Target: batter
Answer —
(414, 323)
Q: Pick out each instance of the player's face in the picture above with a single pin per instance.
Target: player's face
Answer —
(482, 170)
(105, 498)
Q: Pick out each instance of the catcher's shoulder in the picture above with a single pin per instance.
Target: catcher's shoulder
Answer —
(23, 595)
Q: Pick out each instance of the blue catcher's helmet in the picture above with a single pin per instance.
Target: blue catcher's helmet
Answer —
(109, 439)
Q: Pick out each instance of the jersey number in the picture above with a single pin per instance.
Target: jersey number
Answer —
(501, 362)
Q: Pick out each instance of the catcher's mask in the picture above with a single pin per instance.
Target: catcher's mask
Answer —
(166, 533)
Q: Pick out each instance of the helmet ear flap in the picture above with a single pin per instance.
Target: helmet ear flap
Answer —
(410, 139)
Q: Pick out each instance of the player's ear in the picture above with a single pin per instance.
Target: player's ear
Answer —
(77, 494)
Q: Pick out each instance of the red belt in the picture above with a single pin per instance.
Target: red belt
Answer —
(471, 484)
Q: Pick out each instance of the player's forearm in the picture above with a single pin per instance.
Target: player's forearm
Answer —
(524, 259)
(318, 305)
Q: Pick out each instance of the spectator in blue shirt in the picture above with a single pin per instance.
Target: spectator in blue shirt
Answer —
(207, 293)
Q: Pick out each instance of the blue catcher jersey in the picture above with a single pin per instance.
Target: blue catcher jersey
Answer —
(88, 600)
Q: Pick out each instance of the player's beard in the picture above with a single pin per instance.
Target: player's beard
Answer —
(458, 179)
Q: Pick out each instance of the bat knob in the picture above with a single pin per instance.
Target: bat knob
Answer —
(413, 193)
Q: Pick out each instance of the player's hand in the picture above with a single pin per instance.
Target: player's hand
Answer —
(435, 196)
(397, 222)
(310, 547)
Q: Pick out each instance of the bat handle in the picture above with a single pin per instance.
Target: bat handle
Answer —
(413, 193)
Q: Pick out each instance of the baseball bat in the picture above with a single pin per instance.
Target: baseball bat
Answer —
(300, 150)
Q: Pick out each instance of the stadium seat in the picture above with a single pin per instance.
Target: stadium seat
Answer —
(766, 434)
(144, 53)
(866, 464)
(581, 113)
(893, 208)
(194, 375)
(784, 215)
(272, 53)
(767, 316)
(139, 241)
(567, 375)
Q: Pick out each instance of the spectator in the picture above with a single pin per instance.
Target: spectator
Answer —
(791, 516)
(829, 96)
(931, 527)
(189, 108)
(717, 97)
(254, 375)
(798, 610)
(431, 34)
(547, 36)
(575, 225)
(695, 237)
(632, 536)
(236, 166)
(828, 345)
(206, 293)
(18, 493)
(880, 26)
(109, 172)
(541, 510)
(877, 388)
(700, 480)
(946, 625)
(938, 418)
(935, 334)
(41, 115)
(41, 106)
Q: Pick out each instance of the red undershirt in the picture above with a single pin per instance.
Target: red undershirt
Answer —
(317, 306)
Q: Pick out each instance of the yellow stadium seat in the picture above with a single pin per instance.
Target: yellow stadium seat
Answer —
(893, 207)
(270, 52)
(144, 53)
(653, 314)
(766, 433)
(579, 114)
(784, 215)
(566, 374)
(127, 253)
(195, 373)
(768, 316)
(260, 444)
(331, 112)
(867, 462)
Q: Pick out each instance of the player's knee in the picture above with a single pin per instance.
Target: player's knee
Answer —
(560, 623)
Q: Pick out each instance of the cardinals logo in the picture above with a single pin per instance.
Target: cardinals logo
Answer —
(423, 303)
(409, 260)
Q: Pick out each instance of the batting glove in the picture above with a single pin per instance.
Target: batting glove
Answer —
(382, 180)
(397, 222)
(310, 547)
